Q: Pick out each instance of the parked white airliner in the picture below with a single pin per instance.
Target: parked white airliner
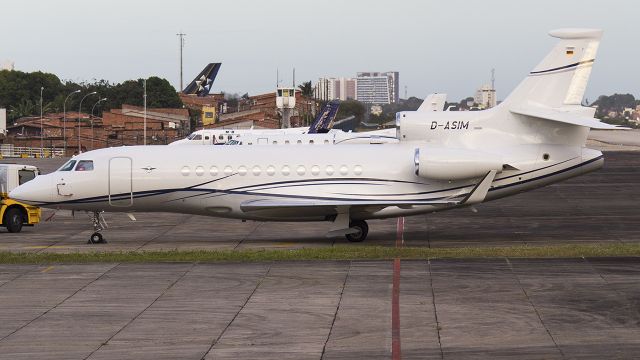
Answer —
(444, 160)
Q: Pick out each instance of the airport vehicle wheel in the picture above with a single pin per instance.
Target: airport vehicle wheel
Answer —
(363, 230)
(96, 238)
(13, 220)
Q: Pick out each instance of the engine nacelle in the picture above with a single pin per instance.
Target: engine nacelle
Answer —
(454, 164)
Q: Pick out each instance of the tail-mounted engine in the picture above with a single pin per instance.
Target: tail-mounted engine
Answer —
(454, 164)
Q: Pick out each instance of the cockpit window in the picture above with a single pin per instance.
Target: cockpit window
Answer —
(68, 166)
(25, 175)
(196, 137)
(85, 165)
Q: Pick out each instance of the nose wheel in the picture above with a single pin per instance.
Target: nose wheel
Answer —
(99, 224)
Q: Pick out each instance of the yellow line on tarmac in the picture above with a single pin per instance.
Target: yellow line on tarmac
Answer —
(47, 269)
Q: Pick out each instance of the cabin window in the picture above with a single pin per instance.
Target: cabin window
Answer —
(301, 170)
(206, 137)
(85, 165)
(311, 142)
(68, 166)
(275, 142)
(299, 141)
(357, 170)
(285, 170)
(329, 170)
(271, 170)
(286, 141)
(228, 170)
(256, 170)
(25, 175)
(242, 170)
(344, 170)
(326, 141)
(199, 170)
(315, 170)
(221, 137)
(185, 171)
(213, 171)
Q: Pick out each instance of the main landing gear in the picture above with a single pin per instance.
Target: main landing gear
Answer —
(99, 224)
(361, 230)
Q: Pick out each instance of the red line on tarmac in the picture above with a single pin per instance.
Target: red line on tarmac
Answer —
(396, 353)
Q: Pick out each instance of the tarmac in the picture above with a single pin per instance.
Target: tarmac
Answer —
(439, 309)
(451, 309)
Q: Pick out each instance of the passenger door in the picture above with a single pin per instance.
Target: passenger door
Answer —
(120, 182)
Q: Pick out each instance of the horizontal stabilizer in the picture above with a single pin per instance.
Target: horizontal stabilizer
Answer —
(564, 117)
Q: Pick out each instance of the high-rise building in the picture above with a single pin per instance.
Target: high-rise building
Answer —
(378, 87)
(485, 97)
(335, 89)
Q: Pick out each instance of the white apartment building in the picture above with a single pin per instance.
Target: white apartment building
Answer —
(378, 87)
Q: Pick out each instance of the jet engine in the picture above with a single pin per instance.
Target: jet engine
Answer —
(454, 164)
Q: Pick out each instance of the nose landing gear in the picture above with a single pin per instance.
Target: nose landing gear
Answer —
(99, 224)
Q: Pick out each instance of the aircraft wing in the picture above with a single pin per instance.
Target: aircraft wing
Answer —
(564, 117)
(254, 205)
(475, 196)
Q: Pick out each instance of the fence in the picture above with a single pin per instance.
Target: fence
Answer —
(10, 151)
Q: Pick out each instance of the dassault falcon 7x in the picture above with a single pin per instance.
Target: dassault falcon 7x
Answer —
(443, 160)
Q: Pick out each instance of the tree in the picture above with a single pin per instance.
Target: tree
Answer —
(306, 89)
(352, 108)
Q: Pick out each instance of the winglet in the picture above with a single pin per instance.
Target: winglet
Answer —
(479, 192)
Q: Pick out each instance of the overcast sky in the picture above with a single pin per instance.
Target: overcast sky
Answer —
(437, 46)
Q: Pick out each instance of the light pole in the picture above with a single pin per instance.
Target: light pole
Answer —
(79, 111)
(94, 106)
(144, 131)
(41, 133)
(64, 122)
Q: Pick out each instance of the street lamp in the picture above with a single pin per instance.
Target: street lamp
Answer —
(41, 133)
(64, 121)
(79, 111)
(94, 106)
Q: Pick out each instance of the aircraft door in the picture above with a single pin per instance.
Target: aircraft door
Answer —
(120, 182)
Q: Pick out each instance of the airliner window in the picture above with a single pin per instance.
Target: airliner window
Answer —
(191, 136)
(85, 165)
(25, 175)
(197, 137)
(221, 137)
(68, 166)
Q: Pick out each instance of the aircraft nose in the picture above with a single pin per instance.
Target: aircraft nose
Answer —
(34, 192)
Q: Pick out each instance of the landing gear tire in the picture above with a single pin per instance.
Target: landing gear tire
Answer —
(96, 238)
(13, 220)
(363, 230)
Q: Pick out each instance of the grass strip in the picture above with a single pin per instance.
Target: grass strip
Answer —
(328, 253)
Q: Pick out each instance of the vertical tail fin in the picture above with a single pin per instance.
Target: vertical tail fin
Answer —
(561, 78)
(201, 85)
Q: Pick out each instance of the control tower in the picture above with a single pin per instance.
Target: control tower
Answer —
(286, 100)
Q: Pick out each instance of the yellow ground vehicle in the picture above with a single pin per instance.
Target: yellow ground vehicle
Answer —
(15, 214)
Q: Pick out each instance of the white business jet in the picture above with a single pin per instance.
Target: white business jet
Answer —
(444, 160)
